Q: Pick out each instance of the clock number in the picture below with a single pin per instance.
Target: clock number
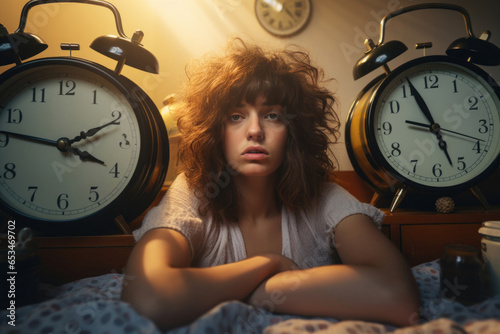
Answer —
(34, 190)
(394, 104)
(42, 99)
(405, 95)
(436, 170)
(62, 201)
(477, 147)
(387, 127)
(455, 90)
(15, 116)
(95, 97)
(114, 171)
(10, 171)
(483, 128)
(431, 81)
(414, 163)
(461, 163)
(115, 122)
(473, 100)
(94, 195)
(70, 84)
(4, 140)
(125, 144)
(396, 152)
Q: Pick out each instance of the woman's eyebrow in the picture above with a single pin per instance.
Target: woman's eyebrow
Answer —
(270, 104)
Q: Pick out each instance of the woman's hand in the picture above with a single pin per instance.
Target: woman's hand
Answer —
(283, 263)
(288, 270)
(374, 283)
(165, 285)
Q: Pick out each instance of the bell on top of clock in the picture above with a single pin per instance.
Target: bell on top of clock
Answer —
(18, 46)
(21, 45)
(430, 125)
(473, 49)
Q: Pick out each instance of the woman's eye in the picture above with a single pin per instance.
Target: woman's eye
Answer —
(273, 116)
(234, 118)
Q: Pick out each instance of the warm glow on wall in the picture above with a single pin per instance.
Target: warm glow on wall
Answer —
(197, 25)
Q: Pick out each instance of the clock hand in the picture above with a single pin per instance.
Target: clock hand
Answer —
(93, 131)
(446, 130)
(442, 145)
(63, 145)
(434, 127)
(290, 14)
(31, 138)
(421, 103)
(85, 156)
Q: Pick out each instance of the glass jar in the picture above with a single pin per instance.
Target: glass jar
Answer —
(461, 274)
(490, 248)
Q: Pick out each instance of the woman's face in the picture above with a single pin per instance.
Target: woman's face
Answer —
(255, 137)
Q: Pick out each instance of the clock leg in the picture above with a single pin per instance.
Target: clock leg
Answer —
(122, 224)
(479, 195)
(375, 199)
(379, 200)
(398, 198)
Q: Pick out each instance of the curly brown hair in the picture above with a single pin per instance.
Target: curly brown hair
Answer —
(243, 72)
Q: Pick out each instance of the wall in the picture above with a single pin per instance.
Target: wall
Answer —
(179, 30)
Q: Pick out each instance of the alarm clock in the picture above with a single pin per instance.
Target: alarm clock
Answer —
(432, 124)
(283, 18)
(81, 146)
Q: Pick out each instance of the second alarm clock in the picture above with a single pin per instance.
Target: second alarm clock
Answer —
(432, 124)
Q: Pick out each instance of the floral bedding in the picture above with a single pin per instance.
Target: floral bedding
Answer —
(92, 306)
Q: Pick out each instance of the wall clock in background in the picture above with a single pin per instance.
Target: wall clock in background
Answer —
(81, 146)
(283, 18)
(430, 125)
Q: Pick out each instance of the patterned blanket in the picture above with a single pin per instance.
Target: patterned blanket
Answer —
(92, 306)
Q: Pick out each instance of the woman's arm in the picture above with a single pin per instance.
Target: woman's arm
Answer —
(164, 288)
(374, 283)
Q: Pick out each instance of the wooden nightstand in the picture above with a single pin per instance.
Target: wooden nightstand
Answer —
(421, 236)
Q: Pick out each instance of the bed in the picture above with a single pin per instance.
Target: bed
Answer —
(92, 305)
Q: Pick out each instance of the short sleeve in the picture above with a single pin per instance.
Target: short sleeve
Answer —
(337, 204)
(178, 210)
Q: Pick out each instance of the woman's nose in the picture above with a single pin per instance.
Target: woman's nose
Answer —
(255, 130)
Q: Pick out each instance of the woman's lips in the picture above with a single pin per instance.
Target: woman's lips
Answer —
(255, 153)
(254, 156)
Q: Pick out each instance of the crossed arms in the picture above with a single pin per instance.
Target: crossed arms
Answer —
(374, 283)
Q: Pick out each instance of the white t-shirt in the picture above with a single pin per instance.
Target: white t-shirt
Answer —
(307, 237)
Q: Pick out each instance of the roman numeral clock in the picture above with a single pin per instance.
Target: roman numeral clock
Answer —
(431, 125)
(81, 146)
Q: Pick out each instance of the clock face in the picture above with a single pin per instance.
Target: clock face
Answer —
(436, 124)
(69, 142)
(283, 17)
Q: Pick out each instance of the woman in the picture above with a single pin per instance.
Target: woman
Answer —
(253, 216)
